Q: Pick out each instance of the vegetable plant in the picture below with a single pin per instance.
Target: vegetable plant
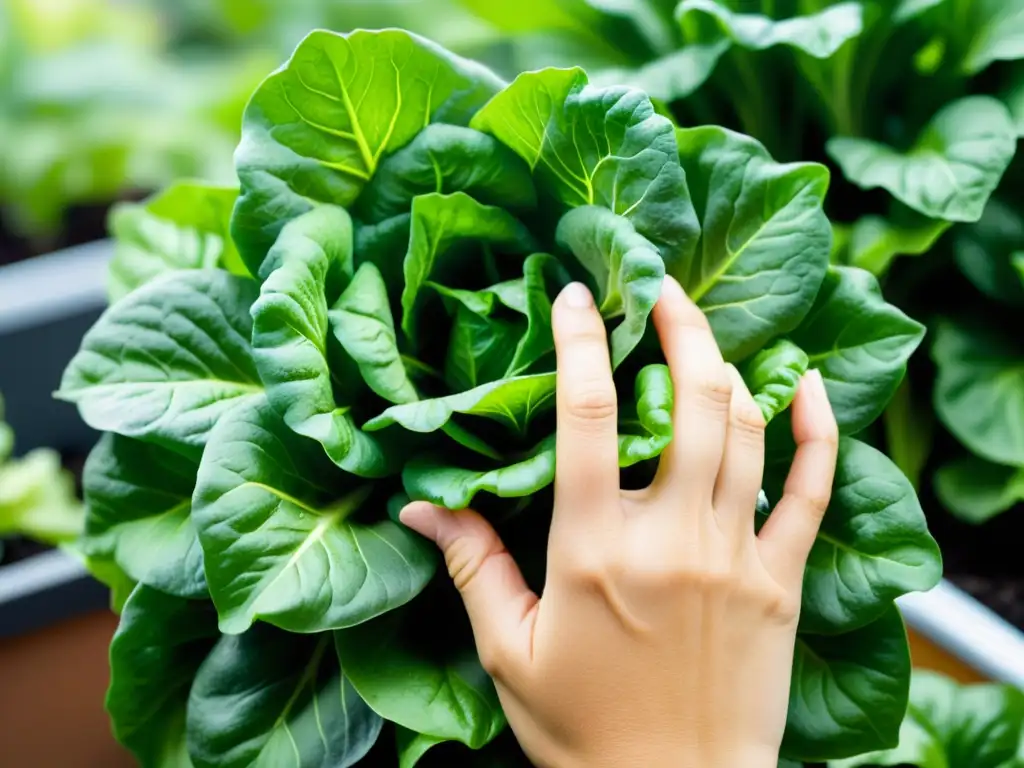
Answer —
(918, 106)
(366, 319)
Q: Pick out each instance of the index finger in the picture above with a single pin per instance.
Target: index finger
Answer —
(586, 442)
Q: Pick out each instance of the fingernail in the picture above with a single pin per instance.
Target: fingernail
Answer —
(670, 285)
(577, 296)
(817, 384)
(421, 517)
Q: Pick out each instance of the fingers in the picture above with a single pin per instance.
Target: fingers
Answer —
(790, 531)
(739, 479)
(499, 603)
(587, 452)
(703, 392)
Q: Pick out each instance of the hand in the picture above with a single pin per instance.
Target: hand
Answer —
(666, 630)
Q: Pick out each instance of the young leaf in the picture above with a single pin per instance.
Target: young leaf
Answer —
(996, 34)
(310, 134)
(765, 242)
(275, 520)
(985, 250)
(772, 376)
(37, 499)
(513, 402)
(480, 349)
(948, 724)
(597, 146)
(412, 746)
(446, 159)
(449, 699)
(270, 699)
(650, 433)
(849, 692)
(139, 499)
(952, 169)
(158, 646)
(543, 278)
(166, 362)
(976, 490)
(979, 390)
(860, 344)
(819, 35)
(875, 242)
(361, 322)
(432, 479)
(438, 223)
(183, 227)
(671, 77)
(309, 264)
(873, 545)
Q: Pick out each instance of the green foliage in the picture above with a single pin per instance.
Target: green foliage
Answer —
(406, 220)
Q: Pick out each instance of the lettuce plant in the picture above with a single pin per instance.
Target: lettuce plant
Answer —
(366, 319)
(919, 105)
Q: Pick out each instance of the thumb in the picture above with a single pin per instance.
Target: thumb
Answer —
(499, 603)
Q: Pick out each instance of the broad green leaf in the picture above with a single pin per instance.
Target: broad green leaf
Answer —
(165, 363)
(997, 33)
(446, 159)
(362, 323)
(276, 522)
(439, 223)
(446, 696)
(979, 390)
(480, 349)
(158, 646)
(270, 699)
(985, 251)
(37, 499)
(875, 242)
(860, 344)
(513, 402)
(430, 478)
(312, 135)
(1014, 99)
(765, 243)
(950, 725)
(646, 432)
(543, 279)
(625, 266)
(109, 573)
(672, 77)
(849, 692)
(819, 35)
(183, 227)
(910, 9)
(772, 376)
(589, 145)
(412, 746)
(909, 428)
(952, 169)
(976, 490)
(139, 501)
(309, 264)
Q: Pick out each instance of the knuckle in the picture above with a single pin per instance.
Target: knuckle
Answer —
(817, 504)
(464, 557)
(747, 419)
(592, 402)
(779, 604)
(715, 392)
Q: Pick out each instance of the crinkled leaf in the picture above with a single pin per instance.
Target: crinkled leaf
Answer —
(875, 242)
(270, 699)
(439, 222)
(166, 362)
(849, 692)
(765, 242)
(513, 402)
(447, 699)
(976, 490)
(979, 390)
(996, 34)
(772, 376)
(139, 501)
(158, 646)
(597, 146)
(860, 344)
(276, 522)
(445, 159)
(362, 323)
(873, 545)
(950, 725)
(183, 227)
(317, 129)
(952, 169)
(431, 479)
(625, 266)
(820, 35)
(985, 251)
(309, 264)
(647, 431)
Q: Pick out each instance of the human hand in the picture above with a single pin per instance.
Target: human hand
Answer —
(665, 633)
